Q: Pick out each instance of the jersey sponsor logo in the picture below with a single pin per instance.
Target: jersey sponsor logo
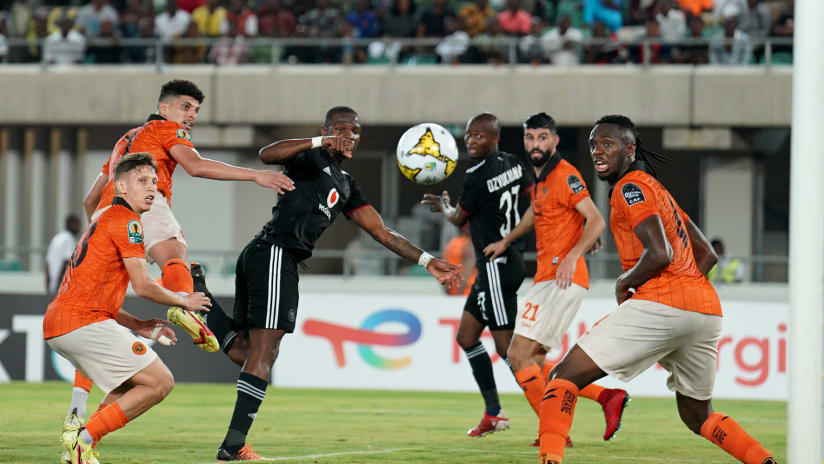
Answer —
(575, 183)
(182, 134)
(332, 197)
(135, 231)
(325, 211)
(632, 193)
(138, 348)
(504, 179)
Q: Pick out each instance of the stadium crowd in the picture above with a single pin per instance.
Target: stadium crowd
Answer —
(558, 32)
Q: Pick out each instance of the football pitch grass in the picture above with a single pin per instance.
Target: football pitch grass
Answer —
(354, 426)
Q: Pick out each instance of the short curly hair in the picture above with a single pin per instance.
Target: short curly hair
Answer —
(176, 88)
(132, 161)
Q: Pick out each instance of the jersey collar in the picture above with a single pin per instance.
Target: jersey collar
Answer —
(549, 166)
(637, 165)
(120, 201)
(155, 117)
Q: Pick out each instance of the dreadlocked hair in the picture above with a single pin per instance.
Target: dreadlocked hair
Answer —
(649, 157)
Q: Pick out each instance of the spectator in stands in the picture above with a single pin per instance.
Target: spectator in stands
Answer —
(727, 270)
(4, 32)
(64, 46)
(492, 47)
(755, 19)
(59, 253)
(671, 21)
(651, 44)
(400, 20)
(784, 27)
(606, 11)
(210, 18)
(695, 7)
(38, 29)
(91, 17)
(231, 48)
(730, 46)
(514, 20)
(529, 46)
(143, 54)
(245, 20)
(104, 48)
(190, 54)
(131, 16)
(363, 20)
(693, 53)
(172, 22)
(476, 16)
(560, 44)
(455, 44)
(602, 53)
(433, 19)
(639, 11)
(324, 20)
(275, 20)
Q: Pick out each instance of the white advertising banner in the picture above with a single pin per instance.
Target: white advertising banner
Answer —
(407, 342)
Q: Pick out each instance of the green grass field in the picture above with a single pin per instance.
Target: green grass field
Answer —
(343, 426)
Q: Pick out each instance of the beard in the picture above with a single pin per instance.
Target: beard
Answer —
(545, 156)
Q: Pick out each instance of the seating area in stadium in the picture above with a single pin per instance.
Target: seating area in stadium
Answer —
(405, 32)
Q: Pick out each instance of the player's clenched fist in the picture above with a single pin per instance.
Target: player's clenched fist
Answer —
(337, 144)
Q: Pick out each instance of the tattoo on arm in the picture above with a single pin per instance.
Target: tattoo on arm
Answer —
(399, 245)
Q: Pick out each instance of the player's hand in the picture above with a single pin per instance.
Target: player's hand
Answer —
(156, 329)
(565, 272)
(197, 301)
(274, 180)
(596, 247)
(338, 144)
(495, 249)
(623, 291)
(447, 273)
(437, 203)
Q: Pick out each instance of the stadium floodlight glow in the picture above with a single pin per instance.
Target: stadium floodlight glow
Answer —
(805, 428)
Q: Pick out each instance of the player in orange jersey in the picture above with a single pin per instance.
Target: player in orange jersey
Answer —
(166, 137)
(567, 225)
(85, 324)
(668, 312)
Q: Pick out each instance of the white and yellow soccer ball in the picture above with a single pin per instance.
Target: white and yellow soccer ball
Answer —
(427, 153)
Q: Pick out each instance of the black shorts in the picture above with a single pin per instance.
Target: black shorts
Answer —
(493, 300)
(266, 288)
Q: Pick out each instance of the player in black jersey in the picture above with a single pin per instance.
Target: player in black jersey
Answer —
(491, 190)
(266, 282)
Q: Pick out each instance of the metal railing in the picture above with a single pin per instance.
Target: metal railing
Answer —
(604, 265)
(385, 51)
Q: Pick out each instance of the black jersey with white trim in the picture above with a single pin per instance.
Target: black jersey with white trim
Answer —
(322, 191)
(494, 196)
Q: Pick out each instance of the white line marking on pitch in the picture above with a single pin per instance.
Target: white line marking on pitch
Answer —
(329, 455)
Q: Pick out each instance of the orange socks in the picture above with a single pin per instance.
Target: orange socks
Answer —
(106, 421)
(546, 370)
(724, 432)
(557, 411)
(82, 382)
(592, 391)
(177, 277)
(532, 382)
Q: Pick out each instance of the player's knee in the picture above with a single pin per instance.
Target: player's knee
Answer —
(164, 385)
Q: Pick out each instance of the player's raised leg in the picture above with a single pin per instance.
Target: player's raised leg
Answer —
(234, 344)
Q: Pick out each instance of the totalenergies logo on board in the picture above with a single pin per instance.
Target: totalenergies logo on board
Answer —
(367, 336)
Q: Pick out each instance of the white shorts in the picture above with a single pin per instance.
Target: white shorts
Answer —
(106, 352)
(159, 224)
(547, 312)
(641, 333)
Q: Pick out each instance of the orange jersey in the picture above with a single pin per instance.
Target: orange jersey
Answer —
(558, 225)
(454, 252)
(681, 284)
(156, 137)
(96, 281)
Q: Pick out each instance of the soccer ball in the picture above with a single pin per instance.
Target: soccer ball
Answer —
(427, 153)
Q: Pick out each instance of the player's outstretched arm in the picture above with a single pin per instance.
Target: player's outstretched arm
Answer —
(656, 256)
(702, 250)
(197, 166)
(94, 194)
(593, 227)
(146, 328)
(146, 287)
(495, 249)
(370, 221)
(442, 203)
(284, 151)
